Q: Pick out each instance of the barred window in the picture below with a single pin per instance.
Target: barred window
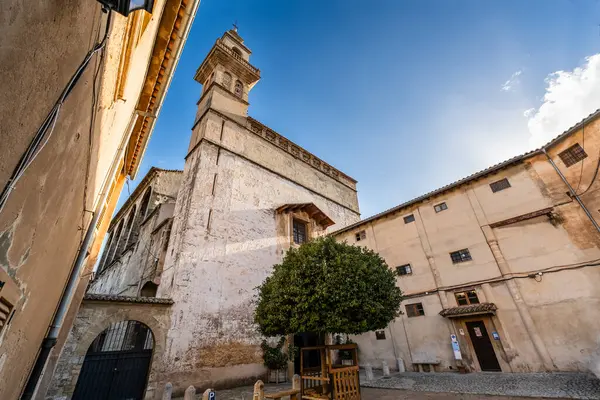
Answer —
(409, 218)
(362, 235)
(500, 185)
(404, 269)
(299, 228)
(440, 207)
(572, 155)
(414, 310)
(460, 256)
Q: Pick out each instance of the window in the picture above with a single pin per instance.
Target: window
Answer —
(414, 310)
(236, 52)
(149, 289)
(409, 218)
(362, 235)
(572, 155)
(380, 335)
(227, 80)
(500, 185)
(404, 269)
(440, 207)
(5, 312)
(460, 256)
(299, 231)
(239, 90)
(466, 298)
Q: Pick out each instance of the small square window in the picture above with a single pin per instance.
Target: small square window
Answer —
(500, 185)
(380, 335)
(466, 298)
(299, 231)
(404, 269)
(440, 207)
(572, 155)
(362, 235)
(414, 310)
(409, 218)
(460, 256)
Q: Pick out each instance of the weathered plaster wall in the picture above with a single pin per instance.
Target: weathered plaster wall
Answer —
(225, 241)
(562, 306)
(93, 318)
(141, 258)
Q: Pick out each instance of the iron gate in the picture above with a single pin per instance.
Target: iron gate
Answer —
(116, 364)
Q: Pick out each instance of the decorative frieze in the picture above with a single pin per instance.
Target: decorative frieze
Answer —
(283, 143)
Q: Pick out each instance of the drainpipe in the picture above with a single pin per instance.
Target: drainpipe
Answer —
(572, 191)
(65, 301)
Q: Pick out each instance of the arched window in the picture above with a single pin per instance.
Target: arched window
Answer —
(144, 209)
(103, 261)
(149, 289)
(129, 228)
(115, 244)
(239, 89)
(236, 52)
(227, 80)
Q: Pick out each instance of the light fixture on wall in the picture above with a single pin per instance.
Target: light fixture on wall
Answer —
(124, 7)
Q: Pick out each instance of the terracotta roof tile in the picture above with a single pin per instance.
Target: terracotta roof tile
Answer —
(461, 311)
(127, 299)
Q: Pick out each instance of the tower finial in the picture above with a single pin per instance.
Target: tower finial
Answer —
(235, 26)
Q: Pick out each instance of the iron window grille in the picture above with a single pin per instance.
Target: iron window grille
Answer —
(460, 256)
(299, 231)
(414, 310)
(440, 207)
(500, 185)
(404, 269)
(380, 335)
(467, 297)
(362, 235)
(409, 218)
(572, 155)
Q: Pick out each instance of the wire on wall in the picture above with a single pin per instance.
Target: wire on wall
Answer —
(43, 134)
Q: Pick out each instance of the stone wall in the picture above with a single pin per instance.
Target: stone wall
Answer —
(94, 317)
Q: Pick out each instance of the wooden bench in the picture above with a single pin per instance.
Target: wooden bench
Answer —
(430, 363)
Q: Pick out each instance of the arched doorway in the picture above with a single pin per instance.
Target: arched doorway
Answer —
(116, 364)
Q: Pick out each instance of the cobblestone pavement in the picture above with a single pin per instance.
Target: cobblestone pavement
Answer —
(549, 385)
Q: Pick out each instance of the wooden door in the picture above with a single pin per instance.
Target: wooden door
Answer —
(484, 350)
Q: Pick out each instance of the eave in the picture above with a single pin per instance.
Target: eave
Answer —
(221, 54)
(175, 23)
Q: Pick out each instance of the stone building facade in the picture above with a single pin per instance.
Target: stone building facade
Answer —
(209, 235)
(96, 143)
(506, 260)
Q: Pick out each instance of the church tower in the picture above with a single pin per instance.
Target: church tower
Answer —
(227, 76)
(247, 195)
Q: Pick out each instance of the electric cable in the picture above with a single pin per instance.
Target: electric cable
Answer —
(45, 131)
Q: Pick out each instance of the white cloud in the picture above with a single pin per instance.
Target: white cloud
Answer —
(570, 97)
(529, 112)
(512, 81)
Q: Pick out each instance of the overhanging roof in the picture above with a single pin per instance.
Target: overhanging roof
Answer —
(127, 299)
(466, 311)
(476, 175)
(311, 209)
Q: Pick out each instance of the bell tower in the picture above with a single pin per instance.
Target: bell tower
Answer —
(227, 76)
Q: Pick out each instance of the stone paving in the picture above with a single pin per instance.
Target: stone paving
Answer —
(549, 385)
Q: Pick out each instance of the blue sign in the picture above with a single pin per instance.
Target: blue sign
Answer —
(212, 395)
(496, 336)
(455, 347)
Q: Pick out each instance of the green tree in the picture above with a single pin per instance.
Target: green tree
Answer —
(325, 286)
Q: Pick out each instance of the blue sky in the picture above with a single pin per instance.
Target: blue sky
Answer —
(404, 96)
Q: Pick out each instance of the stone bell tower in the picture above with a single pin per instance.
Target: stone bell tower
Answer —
(247, 195)
(227, 76)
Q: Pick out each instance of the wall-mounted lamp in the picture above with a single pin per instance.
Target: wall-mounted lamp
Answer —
(124, 7)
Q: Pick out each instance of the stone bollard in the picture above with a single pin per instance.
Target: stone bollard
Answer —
(296, 385)
(401, 367)
(168, 391)
(385, 367)
(190, 393)
(207, 394)
(259, 391)
(369, 372)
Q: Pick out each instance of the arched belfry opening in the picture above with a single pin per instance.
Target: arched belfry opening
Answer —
(117, 363)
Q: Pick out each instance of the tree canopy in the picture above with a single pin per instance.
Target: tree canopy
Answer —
(325, 286)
